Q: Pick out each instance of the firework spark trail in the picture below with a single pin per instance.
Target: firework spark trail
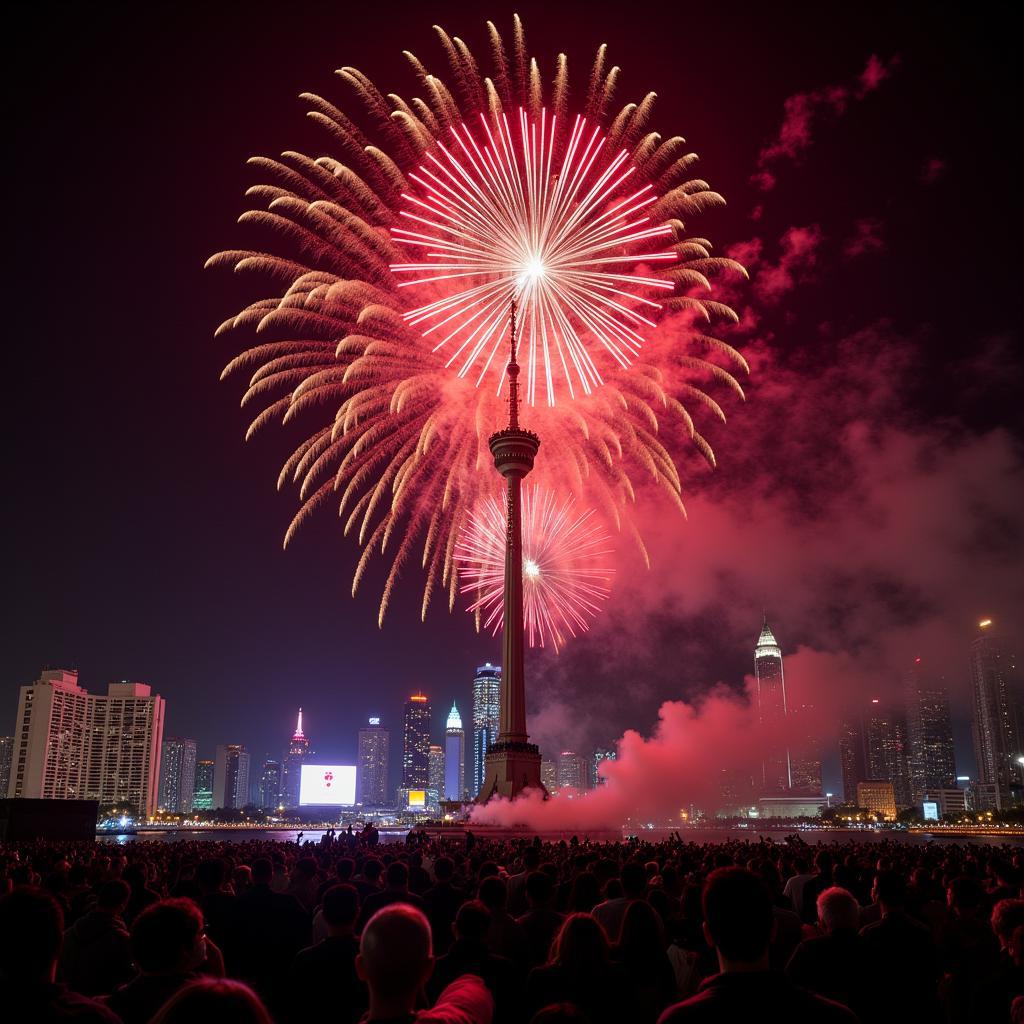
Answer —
(396, 440)
(565, 571)
(547, 222)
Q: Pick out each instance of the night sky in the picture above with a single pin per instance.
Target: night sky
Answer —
(869, 493)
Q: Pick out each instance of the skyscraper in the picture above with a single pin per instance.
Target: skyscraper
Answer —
(771, 711)
(71, 744)
(454, 757)
(374, 760)
(486, 714)
(291, 766)
(435, 769)
(513, 762)
(852, 755)
(416, 742)
(572, 771)
(268, 786)
(231, 776)
(202, 799)
(177, 774)
(885, 742)
(6, 750)
(549, 776)
(931, 758)
(996, 745)
(804, 750)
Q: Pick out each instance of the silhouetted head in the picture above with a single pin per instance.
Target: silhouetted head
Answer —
(581, 946)
(395, 956)
(838, 910)
(340, 906)
(213, 1001)
(31, 931)
(472, 922)
(167, 938)
(738, 917)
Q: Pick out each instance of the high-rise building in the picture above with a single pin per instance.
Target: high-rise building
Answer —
(600, 754)
(268, 785)
(885, 742)
(435, 769)
(573, 771)
(804, 751)
(374, 760)
(202, 799)
(996, 745)
(852, 755)
(416, 742)
(291, 766)
(486, 714)
(231, 776)
(6, 749)
(71, 744)
(878, 798)
(931, 759)
(549, 776)
(771, 711)
(177, 774)
(454, 757)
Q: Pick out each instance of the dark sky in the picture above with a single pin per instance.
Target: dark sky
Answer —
(144, 536)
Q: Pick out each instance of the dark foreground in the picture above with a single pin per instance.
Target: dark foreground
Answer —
(512, 929)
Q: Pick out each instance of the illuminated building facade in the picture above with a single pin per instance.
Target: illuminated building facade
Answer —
(878, 798)
(573, 772)
(374, 764)
(486, 715)
(291, 766)
(454, 757)
(549, 776)
(852, 755)
(804, 751)
(231, 776)
(435, 769)
(72, 745)
(268, 786)
(6, 749)
(885, 740)
(996, 745)
(931, 759)
(771, 711)
(416, 743)
(202, 797)
(177, 774)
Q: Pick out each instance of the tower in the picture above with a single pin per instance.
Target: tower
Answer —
(513, 762)
(454, 757)
(416, 743)
(486, 715)
(885, 741)
(996, 745)
(291, 768)
(929, 734)
(374, 757)
(177, 774)
(771, 711)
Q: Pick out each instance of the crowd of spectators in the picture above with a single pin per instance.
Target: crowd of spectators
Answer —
(465, 930)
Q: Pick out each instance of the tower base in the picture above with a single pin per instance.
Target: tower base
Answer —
(512, 768)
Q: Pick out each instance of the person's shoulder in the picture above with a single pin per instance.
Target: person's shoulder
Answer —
(68, 1005)
(701, 1006)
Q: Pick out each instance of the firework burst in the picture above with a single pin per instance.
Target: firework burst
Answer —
(344, 345)
(565, 570)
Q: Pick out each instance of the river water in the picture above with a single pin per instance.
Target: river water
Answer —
(398, 835)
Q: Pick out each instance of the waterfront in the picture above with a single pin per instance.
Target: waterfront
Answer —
(812, 836)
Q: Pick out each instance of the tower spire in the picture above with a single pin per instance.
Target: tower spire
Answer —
(513, 763)
(299, 735)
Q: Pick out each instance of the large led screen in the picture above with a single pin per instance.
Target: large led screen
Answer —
(327, 784)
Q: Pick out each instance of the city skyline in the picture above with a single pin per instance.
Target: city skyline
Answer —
(867, 490)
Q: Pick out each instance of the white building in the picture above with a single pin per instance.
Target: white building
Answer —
(72, 745)
(177, 774)
(454, 757)
(486, 716)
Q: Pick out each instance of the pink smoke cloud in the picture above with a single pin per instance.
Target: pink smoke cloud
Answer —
(866, 238)
(802, 113)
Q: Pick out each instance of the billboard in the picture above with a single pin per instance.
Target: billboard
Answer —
(327, 784)
(931, 810)
(417, 798)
